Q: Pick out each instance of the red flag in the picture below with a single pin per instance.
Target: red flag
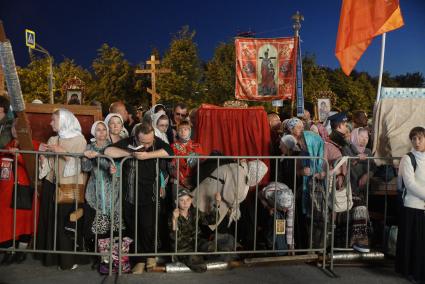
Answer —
(359, 23)
(265, 68)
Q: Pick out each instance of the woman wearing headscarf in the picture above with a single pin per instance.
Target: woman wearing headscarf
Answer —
(116, 128)
(160, 123)
(312, 189)
(360, 171)
(295, 127)
(63, 170)
(102, 194)
(116, 132)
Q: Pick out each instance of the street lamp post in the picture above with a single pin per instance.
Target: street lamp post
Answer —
(51, 79)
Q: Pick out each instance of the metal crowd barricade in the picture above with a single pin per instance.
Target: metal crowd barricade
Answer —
(32, 248)
(156, 252)
(316, 252)
(345, 252)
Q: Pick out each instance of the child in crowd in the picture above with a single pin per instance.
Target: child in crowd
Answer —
(183, 229)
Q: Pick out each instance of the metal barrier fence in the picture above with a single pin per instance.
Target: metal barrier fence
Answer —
(52, 241)
(155, 251)
(343, 243)
(311, 191)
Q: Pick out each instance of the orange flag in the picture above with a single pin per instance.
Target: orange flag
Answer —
(359, 23)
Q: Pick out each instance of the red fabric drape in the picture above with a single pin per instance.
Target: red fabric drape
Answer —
(233, 131)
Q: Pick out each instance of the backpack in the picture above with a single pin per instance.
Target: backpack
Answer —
(403, 187)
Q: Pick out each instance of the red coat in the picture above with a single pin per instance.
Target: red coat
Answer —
(24, 218)
(185, 171)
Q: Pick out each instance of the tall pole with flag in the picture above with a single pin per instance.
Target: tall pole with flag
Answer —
(297, 17)
(360, 21)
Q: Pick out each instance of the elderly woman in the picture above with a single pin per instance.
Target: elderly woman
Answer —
(233, 181)
(359, 173)
(410, 256)
(100, 194)
(64, 171)
(296, 127)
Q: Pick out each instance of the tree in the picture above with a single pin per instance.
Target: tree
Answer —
(314, 77)
(68, 69)
(115, 77)
(183, 83)
(367, 96)
(220, 74)
(411, 80)
(34, 80)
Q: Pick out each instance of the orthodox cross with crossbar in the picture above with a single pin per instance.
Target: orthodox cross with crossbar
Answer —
(153, 71)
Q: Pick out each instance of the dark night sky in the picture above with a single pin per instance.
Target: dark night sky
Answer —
(76, 29)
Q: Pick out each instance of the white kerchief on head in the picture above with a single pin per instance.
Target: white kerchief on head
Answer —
(158, 133)
(93, 129)
(124, 132)
(69, 126)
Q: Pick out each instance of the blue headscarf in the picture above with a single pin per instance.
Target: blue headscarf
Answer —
(315, 148)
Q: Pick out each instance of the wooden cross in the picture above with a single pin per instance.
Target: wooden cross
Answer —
(153, 71)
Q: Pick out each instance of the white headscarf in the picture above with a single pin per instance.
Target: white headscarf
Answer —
(69, 126)
(93, 129)
(158, 133)
(124, 132)
(148, 116)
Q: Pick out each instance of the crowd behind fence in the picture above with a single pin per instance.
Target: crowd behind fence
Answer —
(134, 219)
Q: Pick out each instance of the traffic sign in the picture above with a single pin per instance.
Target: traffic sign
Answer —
(30, 38)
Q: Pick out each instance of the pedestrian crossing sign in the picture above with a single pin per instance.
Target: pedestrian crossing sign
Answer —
(30, 38)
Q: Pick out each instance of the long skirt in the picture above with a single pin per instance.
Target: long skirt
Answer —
(65, 231)
(410, 255)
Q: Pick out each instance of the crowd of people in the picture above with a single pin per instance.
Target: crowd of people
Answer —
(134, 181)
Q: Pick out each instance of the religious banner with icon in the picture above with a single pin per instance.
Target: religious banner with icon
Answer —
(265, 68)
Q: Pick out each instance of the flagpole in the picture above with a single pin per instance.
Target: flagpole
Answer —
(381, 67)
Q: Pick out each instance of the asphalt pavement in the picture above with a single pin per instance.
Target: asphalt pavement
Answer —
(31, 271)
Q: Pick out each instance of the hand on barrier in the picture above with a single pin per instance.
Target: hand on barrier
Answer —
(55, 149)
(141, 155)
(43, 147)
(176, 214)
(113, 170)
(362, 156)
(91, 154)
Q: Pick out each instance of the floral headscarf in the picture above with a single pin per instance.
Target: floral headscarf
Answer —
(293, 122)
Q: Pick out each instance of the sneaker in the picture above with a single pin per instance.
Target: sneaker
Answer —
(361, 248)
